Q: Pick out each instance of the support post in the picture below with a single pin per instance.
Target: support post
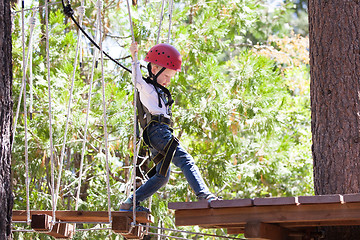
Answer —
(264, 231)
(42, 223)
(122, 225)
(62, 230)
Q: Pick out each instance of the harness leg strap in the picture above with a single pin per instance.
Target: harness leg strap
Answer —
(166, 157)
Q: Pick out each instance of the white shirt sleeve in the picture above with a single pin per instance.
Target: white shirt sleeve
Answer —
(148, 95)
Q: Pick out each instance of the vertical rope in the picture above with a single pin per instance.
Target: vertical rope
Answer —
(25, 65)
(25, 117)
(68, 113)
(87, 121)
(30, 51)
(170, 18)
(160, 21)
(50, 115)
(134, 72)
(99, 3)
(81, 14)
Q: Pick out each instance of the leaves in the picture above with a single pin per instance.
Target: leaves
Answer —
(242, 110)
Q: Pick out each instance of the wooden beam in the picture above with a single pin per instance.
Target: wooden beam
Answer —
(265, 231)
(121, 224)
(235, 230)
(62, 230)
(247, 202)
(41, 222)
(189, 205)
(329, 212)
(136, 233)
(321, 199)
(276, 201)
(83, 216)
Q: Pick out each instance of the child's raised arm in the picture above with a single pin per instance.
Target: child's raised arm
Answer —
(134, 49)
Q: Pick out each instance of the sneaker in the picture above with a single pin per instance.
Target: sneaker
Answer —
(209, 197)
(127, 207)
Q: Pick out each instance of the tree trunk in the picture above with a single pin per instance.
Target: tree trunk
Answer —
(334, 32)
(6, 118)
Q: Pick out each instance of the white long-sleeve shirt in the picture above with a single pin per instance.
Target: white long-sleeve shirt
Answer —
(148, 95)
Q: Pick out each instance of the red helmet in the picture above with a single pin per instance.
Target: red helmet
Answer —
(165, 56)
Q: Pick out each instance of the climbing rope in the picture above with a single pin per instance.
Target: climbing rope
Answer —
(68, 113)
(69, 12)
(160, 21)
(35, 8)
(99, 6)
(30, 50)
(187, 232)
(25, 66)
(50, 116)
(135, 154)
(25, 118)
(81, 13)
(170, 18)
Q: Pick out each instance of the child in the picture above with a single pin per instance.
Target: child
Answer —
(155, 118)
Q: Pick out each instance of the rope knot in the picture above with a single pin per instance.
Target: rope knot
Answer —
(32, 21)
(68, 10)
(81, 10)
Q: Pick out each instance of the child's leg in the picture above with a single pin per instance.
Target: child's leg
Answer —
(150, 187)
(185, 162)
(160, 135)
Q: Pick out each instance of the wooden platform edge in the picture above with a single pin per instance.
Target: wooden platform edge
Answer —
(82, 216)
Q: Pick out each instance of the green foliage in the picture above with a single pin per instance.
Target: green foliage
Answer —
(243, 114)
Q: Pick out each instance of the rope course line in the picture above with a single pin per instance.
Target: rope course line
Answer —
(28, 219)
(25, 66)
(99, 5)
(134, 74)
(67, 119)
(69, 12)
(86, 121)
(30, 49)
(164, 235)
(170, 18)
(50, 115)
(160, 21)
(55, 193)
(35, 8)
(187, 232)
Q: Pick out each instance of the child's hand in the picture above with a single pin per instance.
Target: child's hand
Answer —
(134, 49)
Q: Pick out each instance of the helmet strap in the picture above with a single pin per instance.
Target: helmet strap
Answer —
(152, 75)
(157, 85)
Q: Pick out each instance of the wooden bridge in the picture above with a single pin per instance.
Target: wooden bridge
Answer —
(290, 218)
(294, 218)
(64, 228)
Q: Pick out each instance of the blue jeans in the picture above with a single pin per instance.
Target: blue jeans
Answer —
(159, 136)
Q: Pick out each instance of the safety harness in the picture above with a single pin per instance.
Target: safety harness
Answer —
(145, 119)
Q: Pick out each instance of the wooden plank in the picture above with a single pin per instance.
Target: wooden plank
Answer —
(235, 230)
(83, 216)
(121, 224)
(188, 205)
(269, 214)
(136, 233)
(321, 223)
(355, 197)
(62, 230)
(275, 201)
(319, 199)
(264, 231)
(231, 203)
(41, 222)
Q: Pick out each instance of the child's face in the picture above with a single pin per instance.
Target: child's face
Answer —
(165, 77)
